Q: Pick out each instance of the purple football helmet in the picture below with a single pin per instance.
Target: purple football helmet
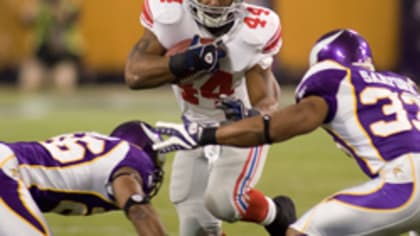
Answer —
(140, 133)
(344, 46)
(133, 132)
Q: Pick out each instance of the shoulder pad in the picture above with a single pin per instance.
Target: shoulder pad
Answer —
(322, 66)
(325, 65)
(163, 12)
(262, 28)
(318, 79)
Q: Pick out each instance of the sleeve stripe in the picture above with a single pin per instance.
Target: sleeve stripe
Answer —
(147, 13)
(147, 23)
(274, 41)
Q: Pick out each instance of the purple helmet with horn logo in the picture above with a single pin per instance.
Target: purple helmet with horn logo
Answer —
(344, 46)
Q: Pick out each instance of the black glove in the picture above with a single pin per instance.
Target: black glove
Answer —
(235, 109)
(198, 57)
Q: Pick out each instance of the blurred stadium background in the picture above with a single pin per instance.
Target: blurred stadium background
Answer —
(110, 29)
(307, 168)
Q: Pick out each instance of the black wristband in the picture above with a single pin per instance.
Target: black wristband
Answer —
(266, 121)
(208, 136)
(177, 66)
(135, 199)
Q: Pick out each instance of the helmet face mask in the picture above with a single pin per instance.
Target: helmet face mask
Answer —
(344, 46)
(215, 16)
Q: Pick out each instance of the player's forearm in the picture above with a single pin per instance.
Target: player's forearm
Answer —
(263, 89)
(247, 132)
(292, 121)
(271, 101)
(284, 124)
(147, 71)
(146, 221)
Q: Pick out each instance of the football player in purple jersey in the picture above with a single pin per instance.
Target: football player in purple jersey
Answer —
(373, 116)
(81, 173)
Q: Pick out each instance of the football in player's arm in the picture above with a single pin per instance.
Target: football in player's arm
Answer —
(81, 173)
(205, 49)
(371, 115)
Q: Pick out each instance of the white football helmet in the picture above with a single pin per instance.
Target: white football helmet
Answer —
(216, 16)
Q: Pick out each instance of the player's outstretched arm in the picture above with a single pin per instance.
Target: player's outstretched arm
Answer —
(129, 195)
(282, 124)
(277, 126)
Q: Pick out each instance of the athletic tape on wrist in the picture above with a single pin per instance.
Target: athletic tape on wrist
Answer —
(208, 136)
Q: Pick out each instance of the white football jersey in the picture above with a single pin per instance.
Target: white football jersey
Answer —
(253, 39)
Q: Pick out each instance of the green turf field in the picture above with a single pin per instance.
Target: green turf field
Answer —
(307, 168)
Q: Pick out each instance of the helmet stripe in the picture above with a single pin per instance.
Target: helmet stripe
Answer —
(313, 58)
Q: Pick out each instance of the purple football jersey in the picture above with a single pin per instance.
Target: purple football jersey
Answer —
(374, 116)
(69, 174)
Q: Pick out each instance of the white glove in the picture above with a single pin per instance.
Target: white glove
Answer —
(181, 136)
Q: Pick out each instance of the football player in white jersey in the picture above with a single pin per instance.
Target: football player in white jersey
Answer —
(205, 186)
(373, 116)
(80, 173)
